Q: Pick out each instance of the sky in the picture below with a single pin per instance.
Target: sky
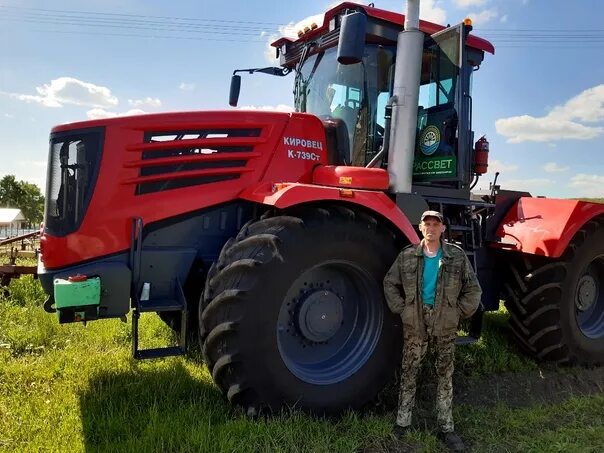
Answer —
(539, 99)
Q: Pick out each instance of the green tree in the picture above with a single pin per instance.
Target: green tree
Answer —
(10, 192)
(32, 204)
(24, 196)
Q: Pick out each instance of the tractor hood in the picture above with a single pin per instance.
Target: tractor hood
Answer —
(103, 173)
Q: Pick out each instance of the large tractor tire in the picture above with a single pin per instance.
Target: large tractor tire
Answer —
(557, 306)
(293, 313)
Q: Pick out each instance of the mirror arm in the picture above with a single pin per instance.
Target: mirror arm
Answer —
(276, 71)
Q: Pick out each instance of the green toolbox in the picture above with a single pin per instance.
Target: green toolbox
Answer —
(77, 298)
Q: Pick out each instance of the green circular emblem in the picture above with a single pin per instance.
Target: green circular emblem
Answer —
(429, 140)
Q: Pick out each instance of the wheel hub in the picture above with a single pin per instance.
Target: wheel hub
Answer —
(320, 316)
(329, 324)
(587, 292)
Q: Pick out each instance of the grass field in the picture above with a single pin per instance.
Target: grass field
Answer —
(75, 388)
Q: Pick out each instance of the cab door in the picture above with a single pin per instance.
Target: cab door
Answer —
(443, 142)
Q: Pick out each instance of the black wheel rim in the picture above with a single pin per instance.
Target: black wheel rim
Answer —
(589, 300)
(330, 322)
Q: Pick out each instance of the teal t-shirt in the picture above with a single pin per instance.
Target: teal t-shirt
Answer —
(430, 277)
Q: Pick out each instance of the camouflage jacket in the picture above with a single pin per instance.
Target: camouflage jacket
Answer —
(457, 290)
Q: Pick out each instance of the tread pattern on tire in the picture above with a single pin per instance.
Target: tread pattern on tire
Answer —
(533, 296)
(228, 279)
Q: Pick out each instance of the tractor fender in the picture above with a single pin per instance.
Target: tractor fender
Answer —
(544, 226)
(286, 195)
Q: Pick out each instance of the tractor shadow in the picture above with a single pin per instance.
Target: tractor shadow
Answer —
(149, 408)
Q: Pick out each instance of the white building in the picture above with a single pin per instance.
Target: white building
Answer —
(12, 221)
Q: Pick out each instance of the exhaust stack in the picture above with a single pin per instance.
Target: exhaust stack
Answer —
(406, 97)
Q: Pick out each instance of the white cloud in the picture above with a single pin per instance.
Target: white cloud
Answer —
(338, 2)
(483, 17)
(39, 181)
(501, 167)
(587, 106)
(277, 108)
(148, 101)
(9, 115)
(33, 163)
(503, 19)
(561, 122)
(467, 3)
(588, 185)
(288, 31)
(186, 86)
(527, 128)
(553, 167)
(98, 113)
(46, 102)
(430, 11)
(68, 90)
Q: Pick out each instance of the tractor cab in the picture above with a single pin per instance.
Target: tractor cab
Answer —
(352, 100)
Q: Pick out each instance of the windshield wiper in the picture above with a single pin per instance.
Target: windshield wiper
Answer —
(300, 84)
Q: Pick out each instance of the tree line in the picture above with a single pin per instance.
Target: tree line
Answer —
(24, 196)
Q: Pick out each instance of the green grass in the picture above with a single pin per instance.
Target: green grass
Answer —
(76, 388)
(494, 352)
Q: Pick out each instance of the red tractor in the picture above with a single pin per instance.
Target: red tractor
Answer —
(270, 233)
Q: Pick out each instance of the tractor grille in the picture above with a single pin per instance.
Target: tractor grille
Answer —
(177, 159)
(72, 170)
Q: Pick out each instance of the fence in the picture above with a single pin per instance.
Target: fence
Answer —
(26, 244)
(8, 231)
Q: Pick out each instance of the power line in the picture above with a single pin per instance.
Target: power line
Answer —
(175, 26)
(219, 39)
(135, 27)
(80, 20)
(141, 18)
(522, 30)
(4, 6)
(551, 40)
(545, 46)
(544, 35)
(134, 35)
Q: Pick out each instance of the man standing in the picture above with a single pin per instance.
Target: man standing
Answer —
(431, 285)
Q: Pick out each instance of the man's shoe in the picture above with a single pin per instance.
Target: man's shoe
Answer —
(452, 441)
(400, 431)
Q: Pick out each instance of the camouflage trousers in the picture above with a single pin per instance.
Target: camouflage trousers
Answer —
(414, 351)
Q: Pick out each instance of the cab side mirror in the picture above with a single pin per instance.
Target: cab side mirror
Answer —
(235, 89)
(351, 45)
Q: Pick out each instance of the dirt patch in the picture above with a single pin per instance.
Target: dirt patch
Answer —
(516, 390)
(547, 385)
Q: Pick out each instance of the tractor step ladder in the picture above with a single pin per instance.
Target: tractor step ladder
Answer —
(468, 240)
(144, 305)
